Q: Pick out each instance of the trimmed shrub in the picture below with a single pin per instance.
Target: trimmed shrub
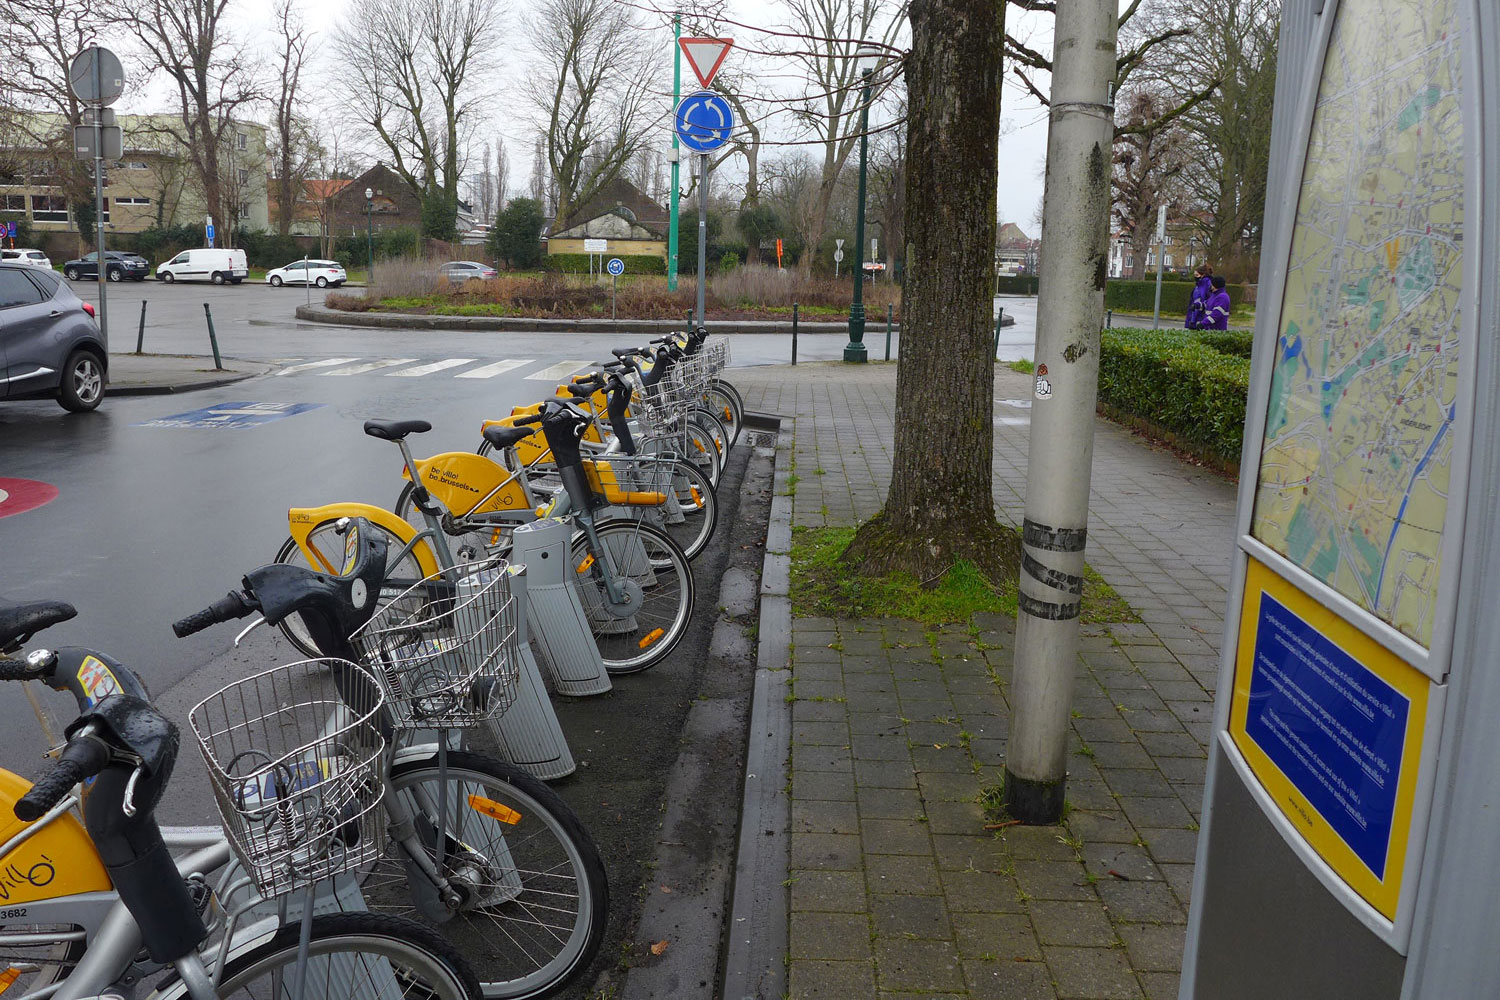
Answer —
(1235, 342)
(578, 263)
(1016, 284)
(1172, 381)
(1175, 294)
(263, 249)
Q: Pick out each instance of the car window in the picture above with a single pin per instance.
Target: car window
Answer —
(15, 290)
(9, 254)
(37, 255)
(179, 259)
(49, 281)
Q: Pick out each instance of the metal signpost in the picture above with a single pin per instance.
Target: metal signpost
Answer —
(208, 229)
(838, 256)
(98, 80)
(1161, 248)
(704, 121)
(616, 268)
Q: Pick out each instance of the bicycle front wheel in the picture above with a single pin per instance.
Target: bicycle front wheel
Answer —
(726, 408)
(534, 893)
(363, 956)
(692, 521)
(658, 583)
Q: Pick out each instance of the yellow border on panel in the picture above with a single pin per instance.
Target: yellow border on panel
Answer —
(1410, 682)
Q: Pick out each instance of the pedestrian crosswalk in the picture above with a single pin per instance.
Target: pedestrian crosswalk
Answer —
(477, 368)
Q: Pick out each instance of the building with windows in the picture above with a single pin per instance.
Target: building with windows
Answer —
(151, 185)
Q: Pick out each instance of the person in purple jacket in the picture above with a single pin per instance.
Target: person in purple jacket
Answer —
(1197, 310)
(1217, 306)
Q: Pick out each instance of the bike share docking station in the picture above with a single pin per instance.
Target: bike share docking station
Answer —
(1351, 822)
(556, 618)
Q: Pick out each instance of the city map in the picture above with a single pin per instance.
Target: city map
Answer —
(1354, 473)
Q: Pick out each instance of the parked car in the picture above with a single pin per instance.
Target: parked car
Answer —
(117, 266)
(205, 264)
(459, 271)
(21, 255)
(319, 272)
(50, 346)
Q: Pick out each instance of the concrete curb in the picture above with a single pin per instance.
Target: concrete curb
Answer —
(173, 388)
(754, 964)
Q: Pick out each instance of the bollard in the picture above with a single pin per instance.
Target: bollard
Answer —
(212, 339)
(794, 333)
(140, 336)
(999, 321)
(1109, 320)
(890, 311)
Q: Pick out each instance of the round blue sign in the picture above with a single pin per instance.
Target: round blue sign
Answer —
(704, 121)
(616, 266)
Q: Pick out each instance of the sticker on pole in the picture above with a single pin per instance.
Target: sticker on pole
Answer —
(705, 56)
(1043, 385)
(17, 496)
(246, 414)
(616, 266)
(704, 121)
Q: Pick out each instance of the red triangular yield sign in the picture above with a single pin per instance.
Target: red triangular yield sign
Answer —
(705, 55)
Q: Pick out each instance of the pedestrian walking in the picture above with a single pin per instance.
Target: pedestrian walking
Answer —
(1217, 306)
(1197, 312)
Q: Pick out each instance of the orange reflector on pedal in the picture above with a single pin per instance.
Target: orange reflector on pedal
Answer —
(697, 497)
(588, 561)
(651, 637)
(494, 810)
(728, 415)
(8, 978)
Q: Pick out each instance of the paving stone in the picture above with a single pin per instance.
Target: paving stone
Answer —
(980, 892)
(895, 836)
(1129, 754)
(1108, 730)
(1171, 846)
(1137, 783)
(990, 752)
(955, 817)
(907, 964)
(812, 758)
(819, 816)
(1140, 699)
(879, 746)
(1090, 795)
(822, 785)
(950, 786)
(901, 873)
(888, 995)
(1120, 860)
(1103, 825)
(889, 803)
(1037, 843)
(1153, 948)
(828, 891)
(874, 722)
(836, 851)
(820, 980)
(815, 690)
(1156, 812)
(1000, 980)
(871, 701)
(821, 733)
(928, 733)
(1054, 880)
(806, 673)
(884, 774)
(877, 681)
(1094, 973)
(1008, 937)
(1181, 770)
(1180, 878)
(956, 852)
(1180, 691)
(1141, 901)
(804, 710)
(1160, 722)
(928, 709)
(840, 936)
(952, 758)
(1084, 924)
(918, 916)
(1160, 985)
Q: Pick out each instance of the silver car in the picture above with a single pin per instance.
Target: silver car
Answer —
(50, 346)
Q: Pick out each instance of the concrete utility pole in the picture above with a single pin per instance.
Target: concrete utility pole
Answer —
(1076, 219)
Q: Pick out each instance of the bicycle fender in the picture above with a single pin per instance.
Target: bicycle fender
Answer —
(302, 520)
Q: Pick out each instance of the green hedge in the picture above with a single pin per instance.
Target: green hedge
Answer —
(1175, 293)
(1174, 382)
(579, 263)
(1235, 342)
(1016, 284)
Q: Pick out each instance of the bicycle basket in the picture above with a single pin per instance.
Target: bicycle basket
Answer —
(294, 757)
(630, 480)
(445, 648)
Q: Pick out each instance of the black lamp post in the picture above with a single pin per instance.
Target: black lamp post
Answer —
(855, 350)
(370, 235)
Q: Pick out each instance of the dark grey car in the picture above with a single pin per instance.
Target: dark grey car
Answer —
(49, 343)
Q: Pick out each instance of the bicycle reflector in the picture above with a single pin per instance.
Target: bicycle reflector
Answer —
(651, 637)
(8, 978)
(588, 561)
(494, 810)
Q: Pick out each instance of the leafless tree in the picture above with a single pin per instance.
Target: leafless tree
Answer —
(590, 91)
(215, 87)
(293, 145)
(539, 174)
(887, 197)
(482, 189)
(1149, 158)
(792, 188)
(413, 74)
(502, 173)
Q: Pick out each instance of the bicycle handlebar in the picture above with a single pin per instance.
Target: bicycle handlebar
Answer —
(534, 418)
(84, 756)
(235, 604)
(20, 670)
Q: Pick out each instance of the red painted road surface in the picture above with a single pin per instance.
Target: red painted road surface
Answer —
(20, 495)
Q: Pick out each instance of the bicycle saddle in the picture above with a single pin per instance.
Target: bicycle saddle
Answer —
(20, 620)
(504, 437)
(395, 430)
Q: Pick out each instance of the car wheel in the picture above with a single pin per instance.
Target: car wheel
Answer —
(168, 277)
(71, 273)
(218, 277)
(82, 383)
(112, 273)
(322, 282)
(275, 280)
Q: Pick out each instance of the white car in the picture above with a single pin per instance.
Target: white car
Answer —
(23, 256)
(322, 273)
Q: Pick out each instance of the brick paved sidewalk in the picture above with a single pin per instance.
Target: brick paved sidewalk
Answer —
(897, 888)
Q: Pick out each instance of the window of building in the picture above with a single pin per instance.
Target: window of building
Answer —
(49, 208)
(132, 201)
(244, 177)
(136, 165)
(241, 141)
(244, 211)
(12, 203)
(106, 211)
(1167, 260)
(1130, 260)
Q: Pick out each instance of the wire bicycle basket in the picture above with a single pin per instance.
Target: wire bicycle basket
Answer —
(294, 756)
(445, 649)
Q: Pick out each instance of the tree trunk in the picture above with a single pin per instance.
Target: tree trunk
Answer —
(941, 506)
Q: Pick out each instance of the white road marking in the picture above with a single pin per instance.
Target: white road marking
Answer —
(1012, 421)
(1020, 404)
(560, 370)
(497, 368)
(435, 366)
(325, 363)
(370, 366)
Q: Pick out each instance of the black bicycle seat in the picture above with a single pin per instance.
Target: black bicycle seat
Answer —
(395, 430)
(504, 437)
(20, 620)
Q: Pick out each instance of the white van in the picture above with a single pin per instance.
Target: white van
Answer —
(217, 266)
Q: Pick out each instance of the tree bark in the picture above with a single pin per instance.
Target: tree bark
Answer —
(940, 508)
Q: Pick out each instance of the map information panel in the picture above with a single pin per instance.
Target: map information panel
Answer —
(1354, 472)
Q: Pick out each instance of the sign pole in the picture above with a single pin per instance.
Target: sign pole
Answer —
(702, 231)
(676, 155)
(1161, 249)
(99, 200)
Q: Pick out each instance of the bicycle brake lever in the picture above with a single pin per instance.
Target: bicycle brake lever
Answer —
(247, 630)
(128, 805)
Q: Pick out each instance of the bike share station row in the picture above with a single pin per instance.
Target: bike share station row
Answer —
(1351, 826)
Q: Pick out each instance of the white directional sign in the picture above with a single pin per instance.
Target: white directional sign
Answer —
(838, 255)
(595, 246)
(838, 244)
(705, 56)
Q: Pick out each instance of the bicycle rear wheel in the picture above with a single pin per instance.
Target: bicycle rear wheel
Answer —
(692, 525)
(655, 573)
(726, 408)
(535, 895)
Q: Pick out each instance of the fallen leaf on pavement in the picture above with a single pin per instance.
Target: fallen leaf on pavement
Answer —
(659, 947)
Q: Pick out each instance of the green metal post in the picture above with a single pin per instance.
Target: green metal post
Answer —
(140, 336)
(855, 350)
(794, 333)
(999, 322)
(370, 244)
(213, 340)
(890, 313)
(676, 155)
